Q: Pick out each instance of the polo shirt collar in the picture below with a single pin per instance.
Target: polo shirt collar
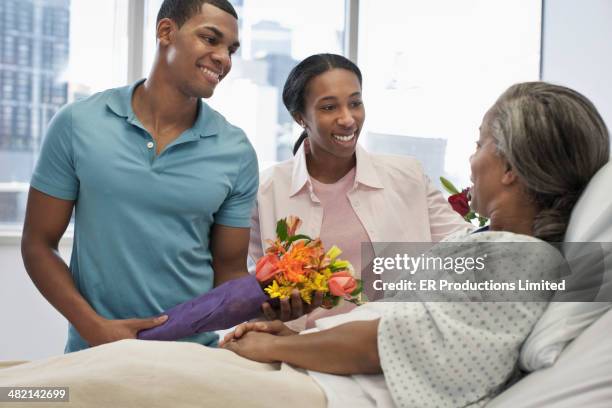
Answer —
(120, 102)
(365, 172)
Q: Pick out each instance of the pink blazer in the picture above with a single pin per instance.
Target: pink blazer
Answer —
(391, 196)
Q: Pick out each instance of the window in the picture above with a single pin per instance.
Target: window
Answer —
(48, 58)
(432, 68)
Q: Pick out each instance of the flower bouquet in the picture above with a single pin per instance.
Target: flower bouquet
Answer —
(460, 201)
(291, 262)
(297, 262)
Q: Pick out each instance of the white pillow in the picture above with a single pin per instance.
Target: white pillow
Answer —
(582, 377)
(591, 221)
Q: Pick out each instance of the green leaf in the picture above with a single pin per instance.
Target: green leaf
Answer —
(448, 186)
(298, 237)
(281, 230)
(330, 300)
(358, 289)
(339, 264)
(482, 220)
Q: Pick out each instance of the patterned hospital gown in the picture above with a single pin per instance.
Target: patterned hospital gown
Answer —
(458, 354)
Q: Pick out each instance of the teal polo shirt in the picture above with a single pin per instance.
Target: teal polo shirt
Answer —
(142, 221)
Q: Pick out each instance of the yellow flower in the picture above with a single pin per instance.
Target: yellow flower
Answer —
(319, 282)
(327, 273)
(276, 291)
(306, 294)
(333, 253)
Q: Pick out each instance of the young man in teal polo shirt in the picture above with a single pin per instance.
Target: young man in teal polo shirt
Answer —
(162, 187)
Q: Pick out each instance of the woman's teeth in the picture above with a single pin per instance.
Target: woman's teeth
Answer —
(344, 138)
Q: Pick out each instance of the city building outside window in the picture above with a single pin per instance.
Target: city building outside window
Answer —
(51, 53)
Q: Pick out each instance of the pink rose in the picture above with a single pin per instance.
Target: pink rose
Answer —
(342, 284)
(266, 268)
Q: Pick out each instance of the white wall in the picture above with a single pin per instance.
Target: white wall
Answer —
(29, 327)
(577, 49)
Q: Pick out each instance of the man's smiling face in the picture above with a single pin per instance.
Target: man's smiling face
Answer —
(199, 53)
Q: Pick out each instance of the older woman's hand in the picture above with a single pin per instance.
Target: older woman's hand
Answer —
(276, 328)
(256, 346)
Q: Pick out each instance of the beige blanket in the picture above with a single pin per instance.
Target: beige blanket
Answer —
(133, 373)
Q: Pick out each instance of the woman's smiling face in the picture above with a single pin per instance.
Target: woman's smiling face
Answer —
(333, 113)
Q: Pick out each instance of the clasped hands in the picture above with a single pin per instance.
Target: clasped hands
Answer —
(257, 341)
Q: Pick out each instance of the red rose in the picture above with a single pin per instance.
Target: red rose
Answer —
(460, 202)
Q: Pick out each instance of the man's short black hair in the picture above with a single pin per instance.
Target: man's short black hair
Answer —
(180, 11)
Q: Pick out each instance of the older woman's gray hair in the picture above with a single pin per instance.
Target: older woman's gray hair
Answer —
(555, 140)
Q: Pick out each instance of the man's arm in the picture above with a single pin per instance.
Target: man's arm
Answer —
(236, 297)
(229, 248)
(46, 220)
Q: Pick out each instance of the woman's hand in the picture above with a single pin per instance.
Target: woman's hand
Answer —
(256, 346)
(293, 307)
(350, 348)
(276, 328)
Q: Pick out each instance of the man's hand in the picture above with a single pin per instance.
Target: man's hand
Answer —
(276, 328)
(107, 331)
(292, 308)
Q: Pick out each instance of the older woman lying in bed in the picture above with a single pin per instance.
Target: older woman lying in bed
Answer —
(538, 147)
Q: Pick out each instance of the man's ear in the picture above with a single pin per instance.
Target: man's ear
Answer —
(166, 28)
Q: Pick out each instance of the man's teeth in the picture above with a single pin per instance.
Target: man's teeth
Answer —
(210, 73)
(344, 138)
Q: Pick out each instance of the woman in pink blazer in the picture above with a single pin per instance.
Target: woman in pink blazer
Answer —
(344, 194)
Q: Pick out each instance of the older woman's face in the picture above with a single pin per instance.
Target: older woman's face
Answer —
(333, 113)
(488, 169)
